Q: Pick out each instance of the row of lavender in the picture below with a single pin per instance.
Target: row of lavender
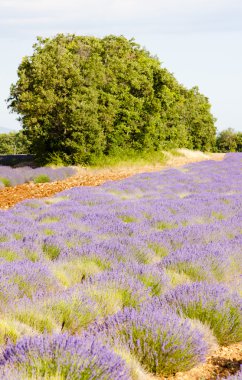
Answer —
(16, 176)
(134, 278)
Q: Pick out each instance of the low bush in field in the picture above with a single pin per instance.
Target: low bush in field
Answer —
(42, 178)
(12, 177)
(61, 356)
(211, 304)
(5, 181)
(161, 341)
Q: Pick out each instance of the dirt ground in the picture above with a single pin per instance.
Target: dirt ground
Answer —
(223, 362)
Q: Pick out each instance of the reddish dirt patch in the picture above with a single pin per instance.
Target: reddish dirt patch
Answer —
(224, 362)
(9, 196)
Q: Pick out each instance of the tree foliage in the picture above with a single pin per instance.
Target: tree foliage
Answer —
(80, 97)
(229, 141)
(13, 143)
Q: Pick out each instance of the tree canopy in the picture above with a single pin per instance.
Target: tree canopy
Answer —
(80, 97)
(229, 141)
(13, 143)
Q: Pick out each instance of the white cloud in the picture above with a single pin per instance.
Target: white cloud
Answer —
(46, 5)
(26, 21)
(153, 16)
(121, 5)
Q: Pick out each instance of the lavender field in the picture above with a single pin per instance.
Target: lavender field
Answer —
(16, 176)
(133, 279)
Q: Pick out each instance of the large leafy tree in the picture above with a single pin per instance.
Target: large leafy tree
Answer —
(80, 97)
(57, 99)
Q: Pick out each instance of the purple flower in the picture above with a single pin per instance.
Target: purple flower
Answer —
(161, 341)
(212, 304)
(67, 356)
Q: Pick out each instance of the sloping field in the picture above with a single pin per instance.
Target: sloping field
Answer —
(135, 279)
(9, 196)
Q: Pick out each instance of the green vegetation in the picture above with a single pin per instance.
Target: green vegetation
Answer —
(5, 181)
(8, 255)
(128, 219)
(42, 178)
(226, 324)
(82, 99)
(14, 143)
(129, 158)
(229, 141)
(51, 251)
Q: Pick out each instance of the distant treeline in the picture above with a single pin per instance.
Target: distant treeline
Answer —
(79, 98)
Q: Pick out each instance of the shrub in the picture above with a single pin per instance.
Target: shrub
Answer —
(42, 178)
(5, 181)
(15, 176)
(64, 356)
(72, 313)
(213, 305)
(9, 330)
(161, 341)
(38, 321)
(51, 251)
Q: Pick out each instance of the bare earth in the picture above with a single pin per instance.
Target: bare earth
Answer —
(225, 360)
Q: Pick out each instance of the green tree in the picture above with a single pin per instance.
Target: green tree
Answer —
(227, 141)
(172, 100)
(57, 99)
(6, 144)
(82, 97)
(199, 121)
(239, 142)
(14, 143)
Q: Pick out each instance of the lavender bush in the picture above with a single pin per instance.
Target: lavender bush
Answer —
(150, 264)
(61, 355)
(211, 304)
(161, 341)
(17, 176)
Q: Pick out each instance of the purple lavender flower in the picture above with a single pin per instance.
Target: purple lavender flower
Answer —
(63, 355)
(212, 304)
(26, 174)
(161, 341)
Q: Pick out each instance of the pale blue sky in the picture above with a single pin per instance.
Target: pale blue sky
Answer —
(200, 41)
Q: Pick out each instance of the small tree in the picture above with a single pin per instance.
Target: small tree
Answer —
(7, 144)
(14, 143)
(239, 142)
(227, 141)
